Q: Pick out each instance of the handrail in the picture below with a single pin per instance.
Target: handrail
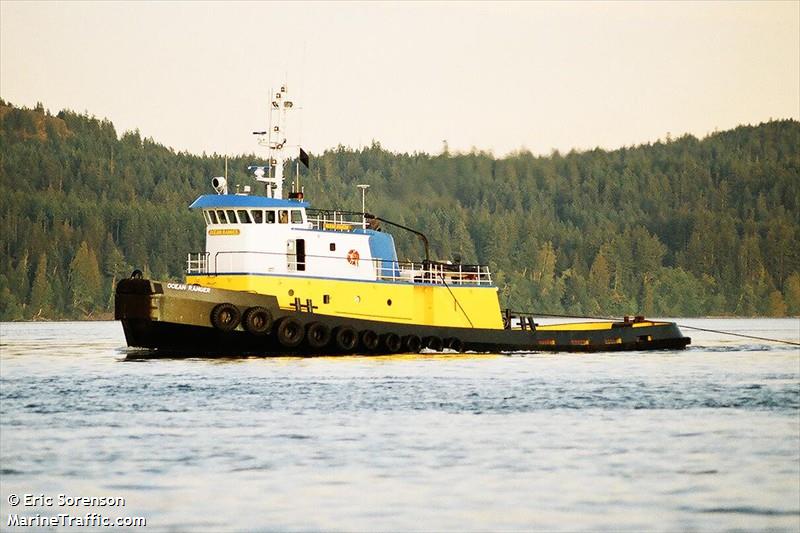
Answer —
(322, 217)
(370, 216)
(417, 233)
(422, 272)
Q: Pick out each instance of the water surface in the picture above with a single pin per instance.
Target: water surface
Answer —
(702, 439)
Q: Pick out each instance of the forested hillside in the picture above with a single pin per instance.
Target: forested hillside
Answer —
(683, 227)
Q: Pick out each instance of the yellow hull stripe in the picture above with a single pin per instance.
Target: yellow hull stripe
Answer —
(429, 305)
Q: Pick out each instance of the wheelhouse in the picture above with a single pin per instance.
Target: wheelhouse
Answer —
(269, 236)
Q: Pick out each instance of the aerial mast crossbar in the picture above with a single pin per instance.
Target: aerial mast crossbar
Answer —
(276, 141)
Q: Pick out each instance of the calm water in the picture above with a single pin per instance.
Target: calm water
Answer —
(703, 439)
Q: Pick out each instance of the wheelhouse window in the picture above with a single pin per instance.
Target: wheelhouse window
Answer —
(205, 216)
(231, 216)
(283, 216)
(270, 219)
(244, 216)
(297, 216)
(212, 216)
(258, 216)
(222, 218)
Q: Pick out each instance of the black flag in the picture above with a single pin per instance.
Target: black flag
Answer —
(304, 157)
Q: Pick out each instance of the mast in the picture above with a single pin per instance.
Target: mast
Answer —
(275, 140)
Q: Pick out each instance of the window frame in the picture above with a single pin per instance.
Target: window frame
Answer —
(244, 216)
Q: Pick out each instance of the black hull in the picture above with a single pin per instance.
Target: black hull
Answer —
(174, 319)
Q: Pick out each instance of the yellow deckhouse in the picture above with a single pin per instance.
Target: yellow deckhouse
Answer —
(336, 264)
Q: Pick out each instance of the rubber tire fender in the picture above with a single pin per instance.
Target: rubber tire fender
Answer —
(412, 344)
(455, 344)
(345, 338)
(318, 335)
(257, 320)
(434, 343)
(290, 332)
(369, 340)
(392, 342)
(225, 317)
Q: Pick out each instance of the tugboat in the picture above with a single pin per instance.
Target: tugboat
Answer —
(280, 278)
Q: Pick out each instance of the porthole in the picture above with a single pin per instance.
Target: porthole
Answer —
(291, 292)
(358, 299)
(389, 302)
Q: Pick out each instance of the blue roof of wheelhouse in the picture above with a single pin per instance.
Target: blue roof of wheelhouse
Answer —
(239, 200)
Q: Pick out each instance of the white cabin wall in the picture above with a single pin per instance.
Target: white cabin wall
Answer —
(266, 247)
(322, 262)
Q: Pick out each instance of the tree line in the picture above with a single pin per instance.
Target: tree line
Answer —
(680, 227)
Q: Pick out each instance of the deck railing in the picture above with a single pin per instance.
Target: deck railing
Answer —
(429, 272)
(197, 263)
(433, 272)
(321, 219)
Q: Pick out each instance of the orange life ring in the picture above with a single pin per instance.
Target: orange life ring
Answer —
(352, 257)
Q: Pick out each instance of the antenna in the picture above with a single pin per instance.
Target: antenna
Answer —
(363, 188)
(280, 104)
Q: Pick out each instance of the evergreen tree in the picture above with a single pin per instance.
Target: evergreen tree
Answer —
(776, 306)
(792, 294)
(85, 282)
(41, 295)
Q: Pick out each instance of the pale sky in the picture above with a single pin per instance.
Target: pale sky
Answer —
(495, 76)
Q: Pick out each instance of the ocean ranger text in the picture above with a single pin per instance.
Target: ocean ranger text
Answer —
(184, 287)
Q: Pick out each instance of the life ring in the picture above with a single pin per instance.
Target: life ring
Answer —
(353, 257)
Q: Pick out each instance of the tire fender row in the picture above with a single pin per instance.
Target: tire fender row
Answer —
(290, 332)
